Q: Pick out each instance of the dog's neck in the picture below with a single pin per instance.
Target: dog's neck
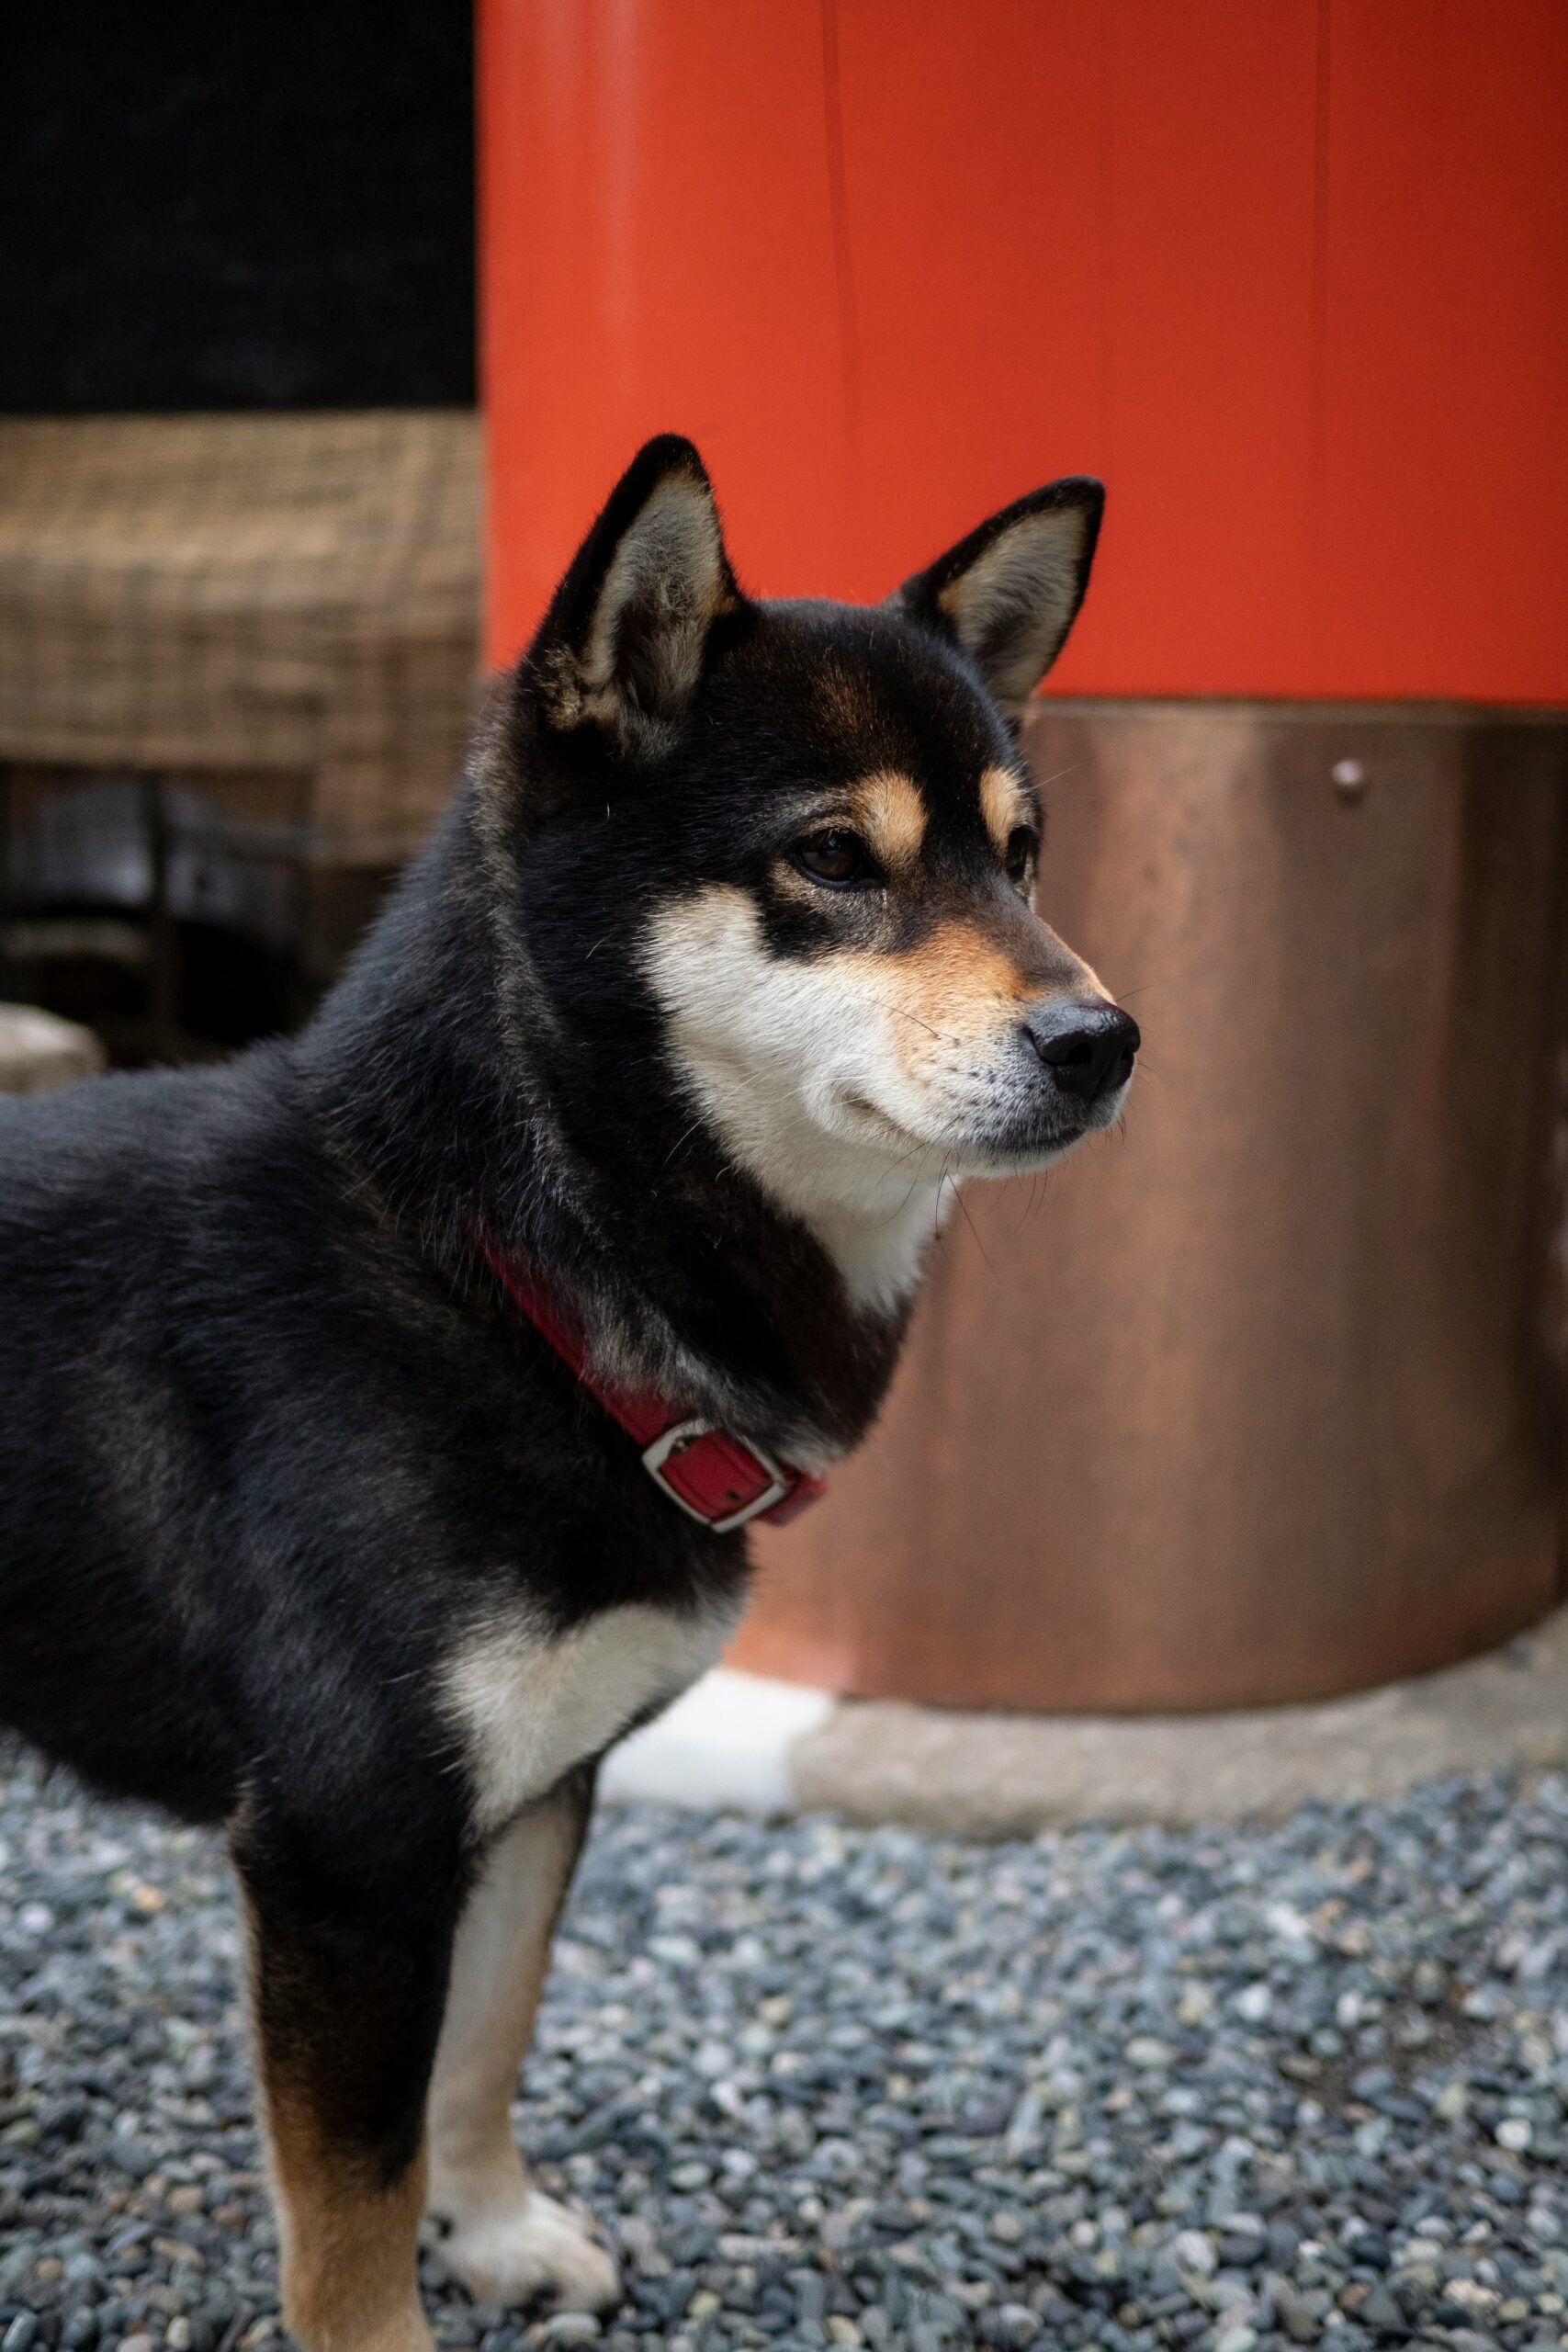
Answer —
(454, 1111)
(879, 1252)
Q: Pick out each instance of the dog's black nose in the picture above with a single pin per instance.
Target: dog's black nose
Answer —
(1088, 1050)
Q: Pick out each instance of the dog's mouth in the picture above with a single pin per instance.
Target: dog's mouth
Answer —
(863, 1108)
(1051, 1127)
(1048, 1131)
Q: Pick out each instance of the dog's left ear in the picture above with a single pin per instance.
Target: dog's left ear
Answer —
(622, 646)
(1009, 592)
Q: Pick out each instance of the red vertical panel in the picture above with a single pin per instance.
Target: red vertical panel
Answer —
(1208, 300)
(1500, 510)
(655, 255)
(1391, 339)
(1290, 273)
(1445, 486)
(973, 172)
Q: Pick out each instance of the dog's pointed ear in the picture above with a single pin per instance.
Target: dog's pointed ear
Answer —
(1009, 592)
(622, 646)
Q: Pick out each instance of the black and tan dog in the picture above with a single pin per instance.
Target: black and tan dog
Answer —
(380, 1414)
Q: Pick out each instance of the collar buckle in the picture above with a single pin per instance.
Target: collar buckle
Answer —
(709, 1486)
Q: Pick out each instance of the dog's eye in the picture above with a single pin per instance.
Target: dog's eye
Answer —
(1021, 846)
(834, 856)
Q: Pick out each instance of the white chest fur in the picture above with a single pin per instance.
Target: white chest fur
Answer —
(529, 1704)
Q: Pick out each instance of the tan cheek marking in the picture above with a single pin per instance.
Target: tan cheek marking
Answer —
(1003, 805)
(962, 986)
(960, 990)
(955, 989)
(889, 811)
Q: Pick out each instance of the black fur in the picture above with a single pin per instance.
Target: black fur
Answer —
(272, 1436)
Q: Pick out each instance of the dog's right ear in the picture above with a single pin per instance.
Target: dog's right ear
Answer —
(1009, 592)
(621, 649)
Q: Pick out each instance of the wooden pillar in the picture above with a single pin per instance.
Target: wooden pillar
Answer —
(1255, 1401)
(1254, 1405)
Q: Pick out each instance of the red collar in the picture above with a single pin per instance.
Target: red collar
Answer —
(717, 1478)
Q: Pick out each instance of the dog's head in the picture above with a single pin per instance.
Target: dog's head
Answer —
(809, 834)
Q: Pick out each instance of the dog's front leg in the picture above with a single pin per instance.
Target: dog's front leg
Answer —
(505, 2240)
(346, 1989)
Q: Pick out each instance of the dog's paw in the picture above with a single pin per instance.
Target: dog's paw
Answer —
(537, 2249)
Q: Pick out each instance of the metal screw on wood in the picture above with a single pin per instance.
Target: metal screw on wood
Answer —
(1349, 779)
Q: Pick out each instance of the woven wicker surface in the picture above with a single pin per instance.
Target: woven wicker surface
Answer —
(240, 592)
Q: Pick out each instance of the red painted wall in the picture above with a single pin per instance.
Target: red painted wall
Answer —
(1291, 275)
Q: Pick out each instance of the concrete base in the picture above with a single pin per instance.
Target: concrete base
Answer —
(727, 1744)
(737, 1741)
(39, 1053)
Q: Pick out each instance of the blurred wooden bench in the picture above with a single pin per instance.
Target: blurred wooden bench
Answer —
(269, 624)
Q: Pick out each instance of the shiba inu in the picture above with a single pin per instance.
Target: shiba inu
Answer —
(380, 1414)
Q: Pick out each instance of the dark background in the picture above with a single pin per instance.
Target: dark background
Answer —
(268, 205)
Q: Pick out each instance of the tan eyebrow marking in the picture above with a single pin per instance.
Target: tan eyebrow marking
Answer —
(1004, 805)
(891, 813)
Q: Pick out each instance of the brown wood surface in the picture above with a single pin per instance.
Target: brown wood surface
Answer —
(1255, 1401)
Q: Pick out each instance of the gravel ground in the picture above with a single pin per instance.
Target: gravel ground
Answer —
(832, 2087)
